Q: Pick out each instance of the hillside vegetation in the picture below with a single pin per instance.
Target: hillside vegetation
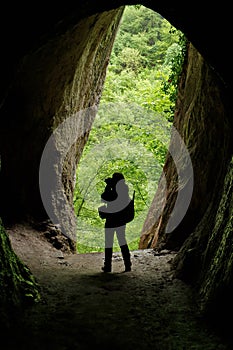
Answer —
(131, 131)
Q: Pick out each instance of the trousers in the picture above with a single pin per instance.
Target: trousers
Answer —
(109, 236)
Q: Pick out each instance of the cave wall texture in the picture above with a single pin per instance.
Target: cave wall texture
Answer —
(50, 86)
(53, 65)
(202, 119)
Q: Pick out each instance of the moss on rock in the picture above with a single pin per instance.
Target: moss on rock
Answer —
(18, 285)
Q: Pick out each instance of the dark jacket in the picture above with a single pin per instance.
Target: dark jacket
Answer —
(116, 199)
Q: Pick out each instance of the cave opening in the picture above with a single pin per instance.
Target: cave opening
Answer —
(132, 128)
(44, 93)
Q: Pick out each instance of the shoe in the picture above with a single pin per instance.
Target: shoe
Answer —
(106, 269)
(128, 268)
(108, 260)
(126, 257)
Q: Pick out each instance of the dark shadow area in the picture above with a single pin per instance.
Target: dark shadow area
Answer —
(82, 308)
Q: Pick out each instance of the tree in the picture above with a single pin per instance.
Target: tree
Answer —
(146, 62)
(123, 139)
(131, 131)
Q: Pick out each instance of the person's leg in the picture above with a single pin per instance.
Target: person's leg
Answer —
(109, 235)
(120, 231)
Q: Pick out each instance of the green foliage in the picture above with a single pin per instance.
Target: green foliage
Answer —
(174, 59)
(146, 62)
(132, 129)
(146, 31)
(129, 59)
(124, 138)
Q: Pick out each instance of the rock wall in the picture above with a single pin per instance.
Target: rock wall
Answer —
(206, 258)
(18, 285)
(53, 82)
(202, 120)
(203, 239)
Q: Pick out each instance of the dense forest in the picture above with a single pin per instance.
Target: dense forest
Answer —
(131, 131)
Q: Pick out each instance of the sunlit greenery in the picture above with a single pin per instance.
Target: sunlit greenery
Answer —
(146, 62)
(131, 131)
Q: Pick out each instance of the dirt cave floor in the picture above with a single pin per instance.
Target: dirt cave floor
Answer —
(84, 308)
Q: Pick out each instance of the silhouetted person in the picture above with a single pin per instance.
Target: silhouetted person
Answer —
(116, 212)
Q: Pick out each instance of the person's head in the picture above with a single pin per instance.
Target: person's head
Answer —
(117, 177)
(108, 181)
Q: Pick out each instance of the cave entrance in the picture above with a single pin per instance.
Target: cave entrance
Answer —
(132, 129)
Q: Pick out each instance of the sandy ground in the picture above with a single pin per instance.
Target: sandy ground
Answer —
(84, 308)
